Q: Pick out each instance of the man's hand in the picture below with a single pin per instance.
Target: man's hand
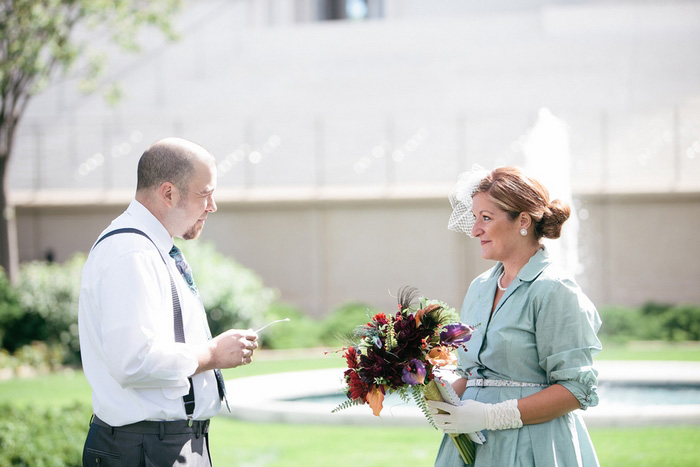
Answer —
(228, 350)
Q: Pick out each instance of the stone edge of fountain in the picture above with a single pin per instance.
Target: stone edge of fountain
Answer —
(265, 398)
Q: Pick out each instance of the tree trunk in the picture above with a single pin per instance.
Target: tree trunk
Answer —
(9, 259)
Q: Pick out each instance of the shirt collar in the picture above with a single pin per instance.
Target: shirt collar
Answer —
(151, 226)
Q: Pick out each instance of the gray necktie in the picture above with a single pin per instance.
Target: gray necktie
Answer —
(186, 272)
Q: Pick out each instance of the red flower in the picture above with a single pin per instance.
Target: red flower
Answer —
(357, 389)
(380, 318)
(351, 357)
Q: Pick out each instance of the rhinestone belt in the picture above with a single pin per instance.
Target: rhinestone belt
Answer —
(481, 383)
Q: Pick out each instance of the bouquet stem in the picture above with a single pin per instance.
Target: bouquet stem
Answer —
(464, 445)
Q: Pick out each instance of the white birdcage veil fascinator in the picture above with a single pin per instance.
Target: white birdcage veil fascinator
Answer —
(462, 218)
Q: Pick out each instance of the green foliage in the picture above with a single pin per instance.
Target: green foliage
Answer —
(10, 308)
(419, 399)
(49, 294)
(38, 37)
(653, 321)
(654, 308)
(233, 295)
(621, 324)
(41, 356)
(339, 326)
(346, 404)
(300, 332)
(444, 314)
(304, 331)
(681, 323)
(43, 437)
(47, 297)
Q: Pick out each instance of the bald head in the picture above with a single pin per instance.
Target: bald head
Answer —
(169, 160)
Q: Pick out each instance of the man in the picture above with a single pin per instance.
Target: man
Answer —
(144, 337)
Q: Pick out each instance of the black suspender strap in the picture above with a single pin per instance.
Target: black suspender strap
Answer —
(188, 399)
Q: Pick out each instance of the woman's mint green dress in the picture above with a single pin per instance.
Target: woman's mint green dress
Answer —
(542, 331)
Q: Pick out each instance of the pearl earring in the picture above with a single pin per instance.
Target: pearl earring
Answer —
(523, 232)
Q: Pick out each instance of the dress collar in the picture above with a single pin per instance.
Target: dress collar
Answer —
(535, 265)
(532, 268)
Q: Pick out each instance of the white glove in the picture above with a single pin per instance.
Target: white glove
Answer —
(471, 416)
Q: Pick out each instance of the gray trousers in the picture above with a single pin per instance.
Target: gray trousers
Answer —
(147, 444)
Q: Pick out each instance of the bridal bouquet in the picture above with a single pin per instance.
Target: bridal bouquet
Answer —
(399, 354)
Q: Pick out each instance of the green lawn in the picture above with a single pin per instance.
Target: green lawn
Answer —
(239, 443)
(654, 350)
(236, 443)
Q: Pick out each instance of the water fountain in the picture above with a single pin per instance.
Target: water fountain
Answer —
(548, 159)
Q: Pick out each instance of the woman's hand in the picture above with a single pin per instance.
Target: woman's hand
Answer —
(471, 416)
(468, 417)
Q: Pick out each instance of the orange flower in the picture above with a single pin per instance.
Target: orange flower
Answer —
(427, 309)
(375, 399)
(441, 356)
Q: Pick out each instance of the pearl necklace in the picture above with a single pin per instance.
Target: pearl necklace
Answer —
(498, 282)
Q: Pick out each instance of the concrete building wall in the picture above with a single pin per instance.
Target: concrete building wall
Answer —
(322, 253)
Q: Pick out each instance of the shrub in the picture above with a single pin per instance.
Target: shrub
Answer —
(233, 295)
(653, 321)
(301, 331)
(48, 294)
(46, 303)
(623, 324)
(338, 327)
(681, 322)
(10, 312)
(655, 308)
(43, 437)
(304, 331)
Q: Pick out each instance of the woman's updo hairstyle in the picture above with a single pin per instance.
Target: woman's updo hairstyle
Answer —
(514, 192)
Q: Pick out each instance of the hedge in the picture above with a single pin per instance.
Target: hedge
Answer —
(55, 438)
(44, 305)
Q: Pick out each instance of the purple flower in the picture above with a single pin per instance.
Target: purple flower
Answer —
(414, 372)
(456, 334)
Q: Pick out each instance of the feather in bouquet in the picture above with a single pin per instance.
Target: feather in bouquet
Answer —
(399, 354)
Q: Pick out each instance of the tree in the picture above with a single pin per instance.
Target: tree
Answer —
(38, 42)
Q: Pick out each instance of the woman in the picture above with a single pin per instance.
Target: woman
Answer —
(528, 365)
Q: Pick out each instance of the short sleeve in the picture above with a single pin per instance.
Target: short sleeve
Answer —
(566, 331)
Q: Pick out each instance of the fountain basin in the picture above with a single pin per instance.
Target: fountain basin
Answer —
(289, 398)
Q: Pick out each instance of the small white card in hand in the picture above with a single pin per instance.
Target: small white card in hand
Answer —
(447, 392)
(450, 396)
(275, 321)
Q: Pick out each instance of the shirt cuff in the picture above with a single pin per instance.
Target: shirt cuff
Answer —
(585, 394)
(189, 364)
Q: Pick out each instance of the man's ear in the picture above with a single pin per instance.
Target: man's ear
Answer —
(168, 194)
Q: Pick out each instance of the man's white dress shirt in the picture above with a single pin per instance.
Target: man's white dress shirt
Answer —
(135, 368)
